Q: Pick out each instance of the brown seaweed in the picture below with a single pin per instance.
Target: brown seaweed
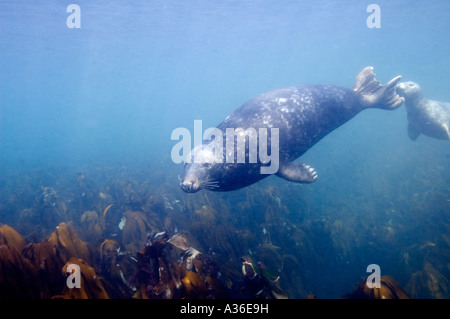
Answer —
(10, 237)
(91, 285)
(18, 276)
(389, 289)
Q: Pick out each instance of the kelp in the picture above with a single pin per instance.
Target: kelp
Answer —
(68, 244)
(257, 284)
(91, 229)
(91, 285)
(118, 268)
(135, 230)
(163, 274)
(428, 283)
(19, 279)
(111, 220)
(389, 289)
(50, 255)
(10, 237)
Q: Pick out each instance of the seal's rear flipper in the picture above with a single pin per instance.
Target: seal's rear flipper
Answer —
(374, 94)
(445, 127)
(297, 172)
(413, 133)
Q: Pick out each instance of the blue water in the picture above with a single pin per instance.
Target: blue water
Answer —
(105, 98)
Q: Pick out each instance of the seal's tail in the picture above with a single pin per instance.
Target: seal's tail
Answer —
(374, 94)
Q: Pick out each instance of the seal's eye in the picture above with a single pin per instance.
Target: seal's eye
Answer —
(206, 165)
(411, 84)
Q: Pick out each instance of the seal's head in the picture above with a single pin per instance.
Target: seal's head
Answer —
(409, 90)
(201, 170)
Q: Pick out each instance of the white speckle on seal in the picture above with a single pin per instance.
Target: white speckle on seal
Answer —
(294, 98)
(122, 223)
(282, 100)
(267, 119)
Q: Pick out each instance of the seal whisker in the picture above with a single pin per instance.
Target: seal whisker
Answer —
(211, 187)
(211, 181)
(211, 184)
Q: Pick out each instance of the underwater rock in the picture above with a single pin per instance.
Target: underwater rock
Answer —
(390, 289)
(91, 285)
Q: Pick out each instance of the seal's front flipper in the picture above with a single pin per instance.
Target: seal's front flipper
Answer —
(413, 133)
(297, 172)
(374, 94)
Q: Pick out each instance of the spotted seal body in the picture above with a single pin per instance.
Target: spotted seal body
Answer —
(428, 117)
(302, 114)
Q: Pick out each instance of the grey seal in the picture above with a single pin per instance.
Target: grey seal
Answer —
(428, 117)
(303, 115)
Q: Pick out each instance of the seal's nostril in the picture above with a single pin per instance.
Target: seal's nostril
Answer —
(187, 185)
